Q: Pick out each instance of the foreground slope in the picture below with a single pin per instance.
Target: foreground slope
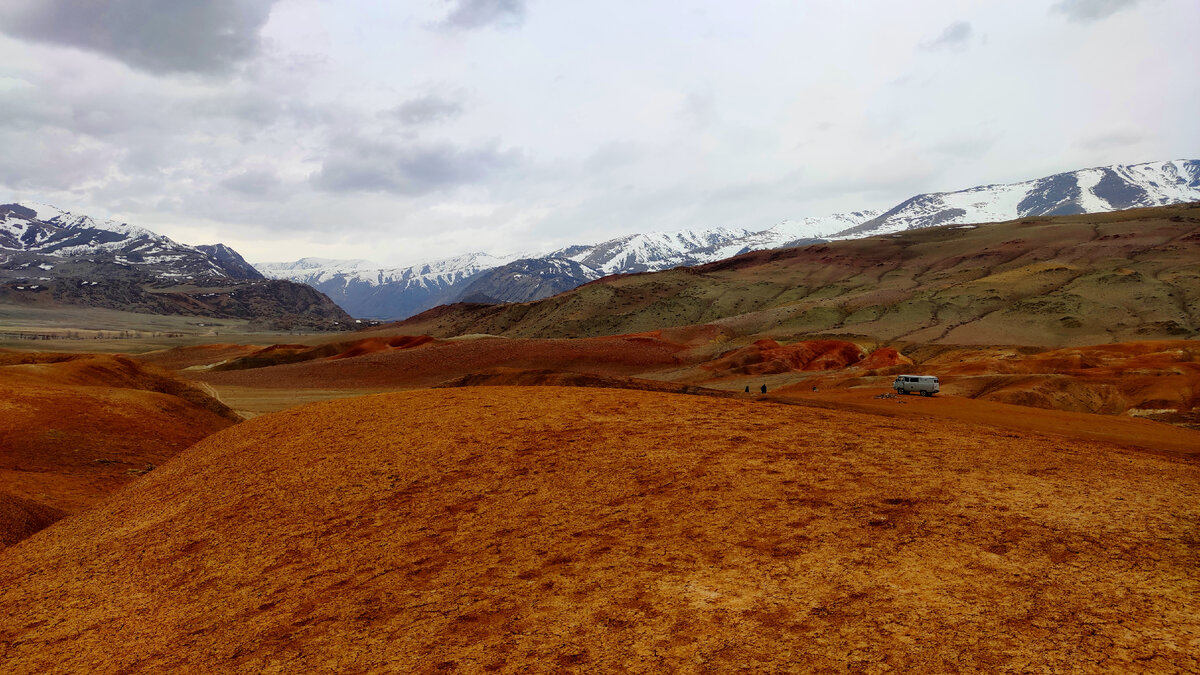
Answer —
(76, 427)
(548, 529)
(1052, 282)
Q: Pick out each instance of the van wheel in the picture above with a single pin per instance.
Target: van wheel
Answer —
(927, 393)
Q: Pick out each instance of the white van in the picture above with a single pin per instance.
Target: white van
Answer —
(927, 385)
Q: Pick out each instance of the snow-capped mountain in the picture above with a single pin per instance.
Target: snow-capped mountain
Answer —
(649, 252)
(52, 236)
(53, 257)
(367, 289)
(527, 279)
(1094, 190)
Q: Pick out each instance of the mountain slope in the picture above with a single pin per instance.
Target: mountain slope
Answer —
(49, 256)
(1056, 281)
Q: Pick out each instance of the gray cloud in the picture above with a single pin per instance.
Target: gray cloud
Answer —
(253, 183)
(359, 165)
(1086, 11)
(426, 109)
(955, 37)
(1112, 140)
(199, 36)
(474, 14)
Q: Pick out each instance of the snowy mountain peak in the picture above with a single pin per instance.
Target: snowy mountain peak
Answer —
(40, 232)
(52, 214)
(1092, 190)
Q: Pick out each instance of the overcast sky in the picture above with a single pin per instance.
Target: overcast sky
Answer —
(406, 131)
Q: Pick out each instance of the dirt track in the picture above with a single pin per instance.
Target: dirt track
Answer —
(547, 529)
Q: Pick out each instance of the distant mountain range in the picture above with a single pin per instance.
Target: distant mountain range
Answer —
(47, 254)
(369, 290)
(50, 256)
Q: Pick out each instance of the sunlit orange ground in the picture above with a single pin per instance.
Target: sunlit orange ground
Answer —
(540, 529)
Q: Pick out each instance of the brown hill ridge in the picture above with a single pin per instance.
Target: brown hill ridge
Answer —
(509, 529)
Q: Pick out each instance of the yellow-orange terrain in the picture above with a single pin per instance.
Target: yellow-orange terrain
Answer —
(515, 529)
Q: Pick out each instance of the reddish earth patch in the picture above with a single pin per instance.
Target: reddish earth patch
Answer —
(509, 529)
(884, 357)
(276, 355)
(513, 377)
(179, 358)
(438, 361)
(768, 356)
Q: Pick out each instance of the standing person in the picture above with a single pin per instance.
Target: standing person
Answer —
(764, 389)
(747, 389)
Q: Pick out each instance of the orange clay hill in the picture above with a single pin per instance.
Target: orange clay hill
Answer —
(74, 428)
(499, 529)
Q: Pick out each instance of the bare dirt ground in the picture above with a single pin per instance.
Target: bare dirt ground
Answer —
(592, 530)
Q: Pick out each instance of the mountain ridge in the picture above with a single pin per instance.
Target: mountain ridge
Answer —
(49, 257)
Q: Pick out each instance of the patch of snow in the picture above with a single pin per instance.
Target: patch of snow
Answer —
(1087, 180)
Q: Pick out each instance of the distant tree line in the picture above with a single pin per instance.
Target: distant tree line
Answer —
(98, 335)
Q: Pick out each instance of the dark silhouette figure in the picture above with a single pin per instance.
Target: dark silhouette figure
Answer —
(747, 389)
(764, 389)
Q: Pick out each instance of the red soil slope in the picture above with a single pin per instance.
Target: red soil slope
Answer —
(20, 518)
(76, 427)
(178, 358)
(884, 357)
(513, 377)
(592, 530)
(439, 361)
(768, 356)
